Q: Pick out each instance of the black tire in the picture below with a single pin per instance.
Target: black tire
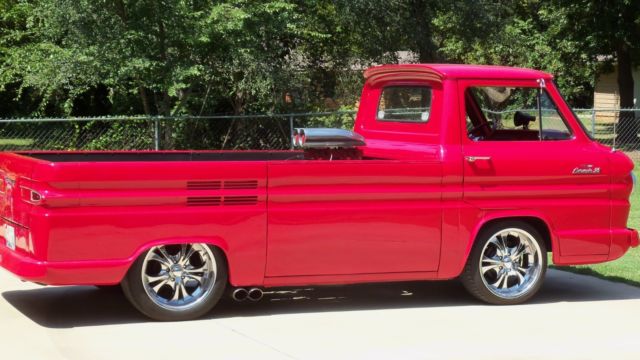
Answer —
(134, 290)
(472, 277)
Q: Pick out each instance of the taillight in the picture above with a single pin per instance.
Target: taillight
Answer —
(31, 196)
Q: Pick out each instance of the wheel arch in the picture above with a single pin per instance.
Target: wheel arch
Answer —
(538, 221)
(217, 242)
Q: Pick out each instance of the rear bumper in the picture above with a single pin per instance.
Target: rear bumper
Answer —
(63, 273)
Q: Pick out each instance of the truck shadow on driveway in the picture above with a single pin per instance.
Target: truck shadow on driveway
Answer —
(68, 307)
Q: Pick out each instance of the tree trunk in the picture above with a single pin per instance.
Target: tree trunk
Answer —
(238, 103)
(145, 100)
(167, 128)
(146, 106)
(164, 105)
(423, 37)
(627, 132)
(238, 135)
(121, 10)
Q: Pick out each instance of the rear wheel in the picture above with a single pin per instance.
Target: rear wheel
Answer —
(507, 264)
(176, 282)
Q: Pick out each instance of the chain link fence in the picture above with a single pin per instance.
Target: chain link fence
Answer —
(163, 133)
(618, 128)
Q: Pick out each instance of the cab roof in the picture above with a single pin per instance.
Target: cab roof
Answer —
(439, 72)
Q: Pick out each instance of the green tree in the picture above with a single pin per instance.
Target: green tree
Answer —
(234, 53)
(165, 57)
(610, 30)
(526, 33)
(383, 27)
(259, 47)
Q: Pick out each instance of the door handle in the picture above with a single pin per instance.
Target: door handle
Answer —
(476, 158)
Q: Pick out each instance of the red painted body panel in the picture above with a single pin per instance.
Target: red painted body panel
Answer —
(409, 209)
(355, 217)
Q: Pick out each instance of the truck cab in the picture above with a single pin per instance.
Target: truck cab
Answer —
(508, 143)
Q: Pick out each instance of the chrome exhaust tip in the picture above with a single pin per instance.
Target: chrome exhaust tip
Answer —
(240, 294)
(255, 294)
(326, 138)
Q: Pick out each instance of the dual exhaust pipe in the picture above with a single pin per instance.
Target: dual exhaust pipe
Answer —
(326, 138)
(242, 294)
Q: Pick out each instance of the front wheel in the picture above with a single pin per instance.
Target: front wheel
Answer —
(507, 264)
(176, 282)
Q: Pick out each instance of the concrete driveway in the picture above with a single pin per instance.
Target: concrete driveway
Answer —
(573, 317)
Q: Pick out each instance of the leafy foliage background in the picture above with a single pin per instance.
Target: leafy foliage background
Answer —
(195, 57)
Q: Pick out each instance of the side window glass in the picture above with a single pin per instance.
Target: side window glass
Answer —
(513, 113)
(405, 104)
(553, 125)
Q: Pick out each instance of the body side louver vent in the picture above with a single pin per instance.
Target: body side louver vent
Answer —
(241, 184)
(204, 185)
(204, 201)
(240, 200)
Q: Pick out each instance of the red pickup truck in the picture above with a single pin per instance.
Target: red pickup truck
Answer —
(451, 171)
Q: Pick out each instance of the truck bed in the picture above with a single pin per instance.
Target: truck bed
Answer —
(92, 207)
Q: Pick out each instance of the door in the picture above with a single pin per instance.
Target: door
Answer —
(353, 217)
(520, 152)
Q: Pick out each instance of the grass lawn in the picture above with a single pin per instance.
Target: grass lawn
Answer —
(627, 268)
(16, 142)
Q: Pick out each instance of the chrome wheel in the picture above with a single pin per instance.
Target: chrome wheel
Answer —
(179, 277)
(510, 263)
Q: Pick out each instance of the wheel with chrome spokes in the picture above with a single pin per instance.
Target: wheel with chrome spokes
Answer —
(176, 282)
(178, 277)
(507, 264)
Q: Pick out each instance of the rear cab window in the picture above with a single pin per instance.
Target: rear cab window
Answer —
(404, 104)
(403, 111)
